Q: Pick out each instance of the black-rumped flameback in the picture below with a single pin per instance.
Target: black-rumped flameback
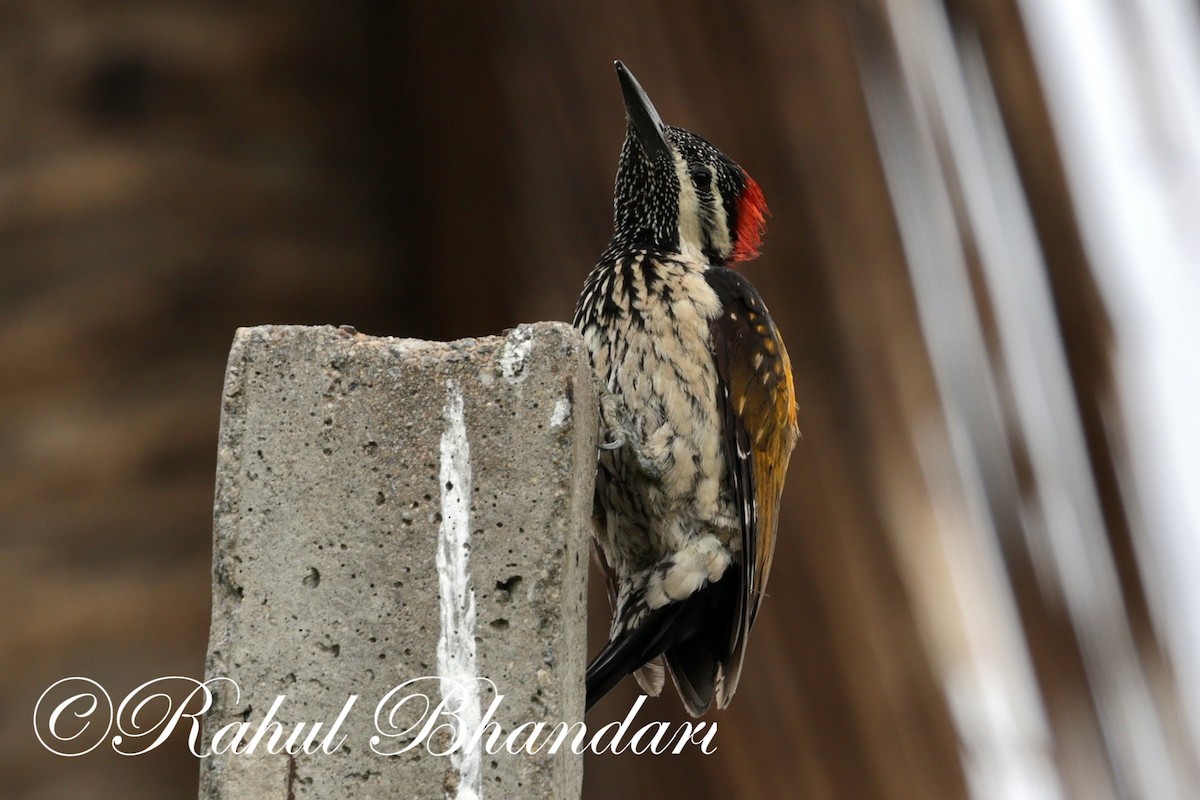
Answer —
(698, 414)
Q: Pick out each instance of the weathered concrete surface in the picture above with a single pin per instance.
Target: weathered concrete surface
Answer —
(332, 503)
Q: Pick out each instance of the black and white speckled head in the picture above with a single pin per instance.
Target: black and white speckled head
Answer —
(676, 193)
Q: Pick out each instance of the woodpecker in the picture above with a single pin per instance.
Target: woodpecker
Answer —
(698, 413)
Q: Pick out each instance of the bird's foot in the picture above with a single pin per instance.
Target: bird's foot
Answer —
(618, 430)
(614, 421)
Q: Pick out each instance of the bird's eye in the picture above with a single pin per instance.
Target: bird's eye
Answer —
(701, 179)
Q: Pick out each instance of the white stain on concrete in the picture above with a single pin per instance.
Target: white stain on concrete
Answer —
(561, 413)
(456, 643)
(514, 351)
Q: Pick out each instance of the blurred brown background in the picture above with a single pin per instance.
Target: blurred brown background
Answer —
(171, 171)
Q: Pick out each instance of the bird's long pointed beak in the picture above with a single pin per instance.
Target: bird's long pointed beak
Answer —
(642, 115)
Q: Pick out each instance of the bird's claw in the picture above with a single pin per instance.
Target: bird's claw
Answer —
(614, 421)
(619, 431)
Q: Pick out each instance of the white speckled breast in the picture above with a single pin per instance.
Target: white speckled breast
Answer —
(645, 320)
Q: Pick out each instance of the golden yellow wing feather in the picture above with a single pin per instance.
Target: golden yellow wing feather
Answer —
(758, 402)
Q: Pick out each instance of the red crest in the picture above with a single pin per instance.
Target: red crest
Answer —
(751, 221)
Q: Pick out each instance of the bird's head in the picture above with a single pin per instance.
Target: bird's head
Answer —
(676, 193)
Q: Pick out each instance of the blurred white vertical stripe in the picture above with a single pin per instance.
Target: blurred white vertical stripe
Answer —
(974, 255)
(1122, 78)
(921, 115)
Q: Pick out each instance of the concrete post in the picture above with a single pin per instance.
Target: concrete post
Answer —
(390, 510)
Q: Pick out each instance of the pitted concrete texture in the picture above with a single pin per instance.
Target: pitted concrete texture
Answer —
(332, 503)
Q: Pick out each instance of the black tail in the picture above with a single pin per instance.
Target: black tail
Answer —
(694, 633)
